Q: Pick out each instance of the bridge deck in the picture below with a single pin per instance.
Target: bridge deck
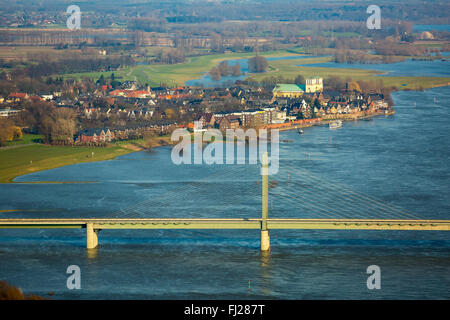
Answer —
(199, 223)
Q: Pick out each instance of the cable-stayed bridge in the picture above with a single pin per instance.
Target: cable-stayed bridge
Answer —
(320, 204)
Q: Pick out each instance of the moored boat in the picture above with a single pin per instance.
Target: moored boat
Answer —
(335, 124)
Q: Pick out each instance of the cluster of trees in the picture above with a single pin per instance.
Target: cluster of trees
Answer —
(257, 64)
(364, 86)
(73, 65)
(169, 56)
(148, 24)
(10, 292)
(112, 81)
(223, 70)
(22, 83)
(233, 39)
(57, 125)
(149, 139)
(342, 56)
(352, 43)
(9, 131)
(390, 47)
(32, 78)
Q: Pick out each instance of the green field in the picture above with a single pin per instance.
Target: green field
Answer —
(175, 74)
(195, 67)
(26, 139)
(38, 157)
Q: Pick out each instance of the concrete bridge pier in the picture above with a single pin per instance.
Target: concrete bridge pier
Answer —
(265, 239)
(91, 236)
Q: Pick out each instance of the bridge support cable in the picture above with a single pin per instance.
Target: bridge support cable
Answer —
(346, 191)
(185, 191)
(343, 196)
(317, 199)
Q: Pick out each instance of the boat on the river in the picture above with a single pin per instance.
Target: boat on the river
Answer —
(300, 131)
(335, 124)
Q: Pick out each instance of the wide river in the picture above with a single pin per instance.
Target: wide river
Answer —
(392, 167)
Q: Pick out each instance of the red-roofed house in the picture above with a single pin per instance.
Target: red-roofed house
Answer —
(106, 87)
(118, 93)
(139, 94)
(35, 98)
(18, 96)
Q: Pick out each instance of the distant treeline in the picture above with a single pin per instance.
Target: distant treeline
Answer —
(342, 56)
(169, 56)
(189, 12)
(63, 66)
(390, 47)
(193, 19)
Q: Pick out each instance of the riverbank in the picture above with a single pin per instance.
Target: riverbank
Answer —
(38, 157)
(323, 121)
(15, 162)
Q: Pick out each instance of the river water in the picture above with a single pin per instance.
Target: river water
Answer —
(407, 68)
(431, 27)
(391, 167)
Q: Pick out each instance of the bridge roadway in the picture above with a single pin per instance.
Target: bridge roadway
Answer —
(93, 226)
(240, 223)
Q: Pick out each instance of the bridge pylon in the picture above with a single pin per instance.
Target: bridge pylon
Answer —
(265, 238)
(91, 236)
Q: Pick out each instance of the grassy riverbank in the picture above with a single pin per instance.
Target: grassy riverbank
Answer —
(26, 139)
(38, 157)
(16, 162)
